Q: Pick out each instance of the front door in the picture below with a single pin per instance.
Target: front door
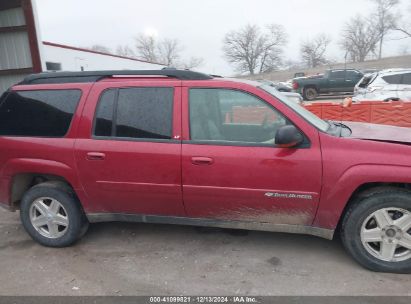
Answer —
(128, 155)
(232, 169)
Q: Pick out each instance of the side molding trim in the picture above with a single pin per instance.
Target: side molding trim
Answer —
(205, 222)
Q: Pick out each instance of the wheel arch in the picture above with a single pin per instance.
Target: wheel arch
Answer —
(309, 86)
(22, 174)
(355, 182)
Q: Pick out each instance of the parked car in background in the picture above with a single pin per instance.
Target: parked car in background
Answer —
(280, 86)
(285, 89)
(339, 81)
(393, 84)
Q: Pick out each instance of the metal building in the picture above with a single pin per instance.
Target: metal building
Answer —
(19, 47)
(22, 51)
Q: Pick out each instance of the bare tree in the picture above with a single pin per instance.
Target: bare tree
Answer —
(147, 47)
(313, 51)
(272, 52)
(252, 50)
(125, 51)
(405, 31)
(359, 38)
(385, 19)
(404, 27)
(192, 63)
(100, 48)
(168, 51)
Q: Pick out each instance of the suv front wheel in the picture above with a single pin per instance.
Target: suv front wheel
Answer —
(52, 215)
(376, 231)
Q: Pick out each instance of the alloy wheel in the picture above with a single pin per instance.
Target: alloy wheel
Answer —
(48, 217)
(386, 234)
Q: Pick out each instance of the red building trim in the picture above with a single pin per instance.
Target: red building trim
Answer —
(32, 35)
(95, 52)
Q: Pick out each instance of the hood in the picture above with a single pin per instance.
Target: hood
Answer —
(379, 132)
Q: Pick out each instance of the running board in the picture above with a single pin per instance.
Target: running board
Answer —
(204, 222)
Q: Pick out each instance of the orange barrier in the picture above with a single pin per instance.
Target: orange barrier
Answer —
(395, 113)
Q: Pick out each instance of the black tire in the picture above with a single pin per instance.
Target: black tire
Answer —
(358, 213)
(78, 223)
(310, 93)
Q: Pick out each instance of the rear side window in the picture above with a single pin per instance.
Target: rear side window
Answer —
(142, 113)
(42, 113)
(104, 118)
(393, 79)
(339, 74)
(406, 79)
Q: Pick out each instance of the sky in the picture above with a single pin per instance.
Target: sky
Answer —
(201, 25)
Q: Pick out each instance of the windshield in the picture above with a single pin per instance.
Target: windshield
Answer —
(307, 115)
(367, 80)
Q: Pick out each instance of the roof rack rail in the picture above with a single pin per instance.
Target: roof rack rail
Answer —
(94, 76)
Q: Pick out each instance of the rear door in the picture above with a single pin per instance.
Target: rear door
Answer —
(129, 153)
(231, 168)
(337, 81)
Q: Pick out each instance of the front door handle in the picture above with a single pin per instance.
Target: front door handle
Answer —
(95, 156)
(201, 161)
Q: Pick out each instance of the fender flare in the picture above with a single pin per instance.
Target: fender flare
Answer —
(336, 195)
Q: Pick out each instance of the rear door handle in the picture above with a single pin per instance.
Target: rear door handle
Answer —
(201, 161)
(95, 156)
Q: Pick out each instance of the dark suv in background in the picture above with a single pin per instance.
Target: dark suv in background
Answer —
(333, 82)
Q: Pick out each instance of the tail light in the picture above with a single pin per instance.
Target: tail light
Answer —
(295, 85)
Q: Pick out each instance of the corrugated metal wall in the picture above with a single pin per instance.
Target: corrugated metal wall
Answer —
(15, 51)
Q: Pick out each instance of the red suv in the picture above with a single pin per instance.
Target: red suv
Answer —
(180, 147)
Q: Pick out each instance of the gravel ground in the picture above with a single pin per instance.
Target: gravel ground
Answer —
(143, 259)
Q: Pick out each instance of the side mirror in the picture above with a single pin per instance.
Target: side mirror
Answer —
(288, 137)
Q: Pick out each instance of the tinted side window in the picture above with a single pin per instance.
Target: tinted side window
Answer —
(226, 116)
(43, 113)
(104, 114)
(135, 113)
(406, 79)
(393, 79)
(145, 113)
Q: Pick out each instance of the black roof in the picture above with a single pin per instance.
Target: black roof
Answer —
(93, 76)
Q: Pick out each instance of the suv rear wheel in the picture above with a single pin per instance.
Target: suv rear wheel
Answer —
(52, 215)
(376, 231)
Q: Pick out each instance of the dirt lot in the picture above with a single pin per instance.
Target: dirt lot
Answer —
(142, 259)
